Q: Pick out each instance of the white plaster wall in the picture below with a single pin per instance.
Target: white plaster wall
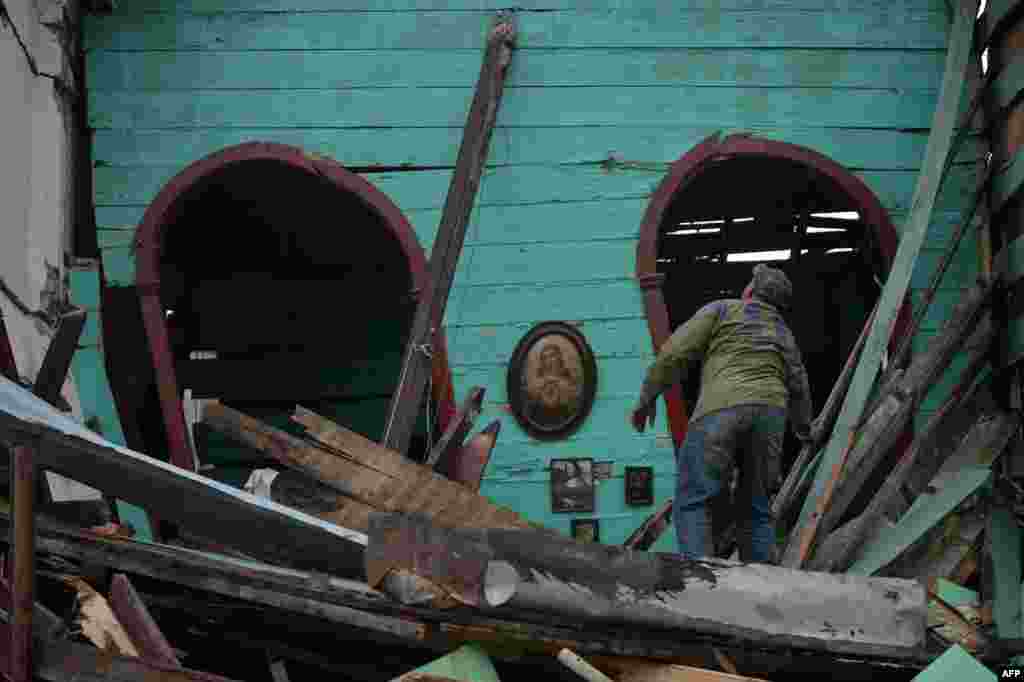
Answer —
(35, 191)
(35, 195)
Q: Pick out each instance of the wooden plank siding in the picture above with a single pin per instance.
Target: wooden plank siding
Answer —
(383, 88)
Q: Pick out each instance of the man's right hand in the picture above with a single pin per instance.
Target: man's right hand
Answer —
(641, 416)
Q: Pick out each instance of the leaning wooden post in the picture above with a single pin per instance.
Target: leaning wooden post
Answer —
(23, 541)
(893, 293)
(444, 257)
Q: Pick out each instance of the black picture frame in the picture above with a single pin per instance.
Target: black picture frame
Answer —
(552, 381)
(639, 483)
(586, 530)
(572, 485)
(603, 470)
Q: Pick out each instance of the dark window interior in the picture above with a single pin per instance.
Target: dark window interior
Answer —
(740, 211)
(279, 289)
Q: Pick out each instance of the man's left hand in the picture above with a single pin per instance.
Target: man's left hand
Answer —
(642, 416)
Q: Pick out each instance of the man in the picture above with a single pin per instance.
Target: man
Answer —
(751, 373)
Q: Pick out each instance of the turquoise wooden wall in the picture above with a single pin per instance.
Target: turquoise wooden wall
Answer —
(555, 230)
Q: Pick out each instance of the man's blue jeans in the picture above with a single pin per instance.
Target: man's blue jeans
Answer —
(747, 436)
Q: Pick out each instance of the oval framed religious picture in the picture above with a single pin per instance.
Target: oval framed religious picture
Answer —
(552, 380)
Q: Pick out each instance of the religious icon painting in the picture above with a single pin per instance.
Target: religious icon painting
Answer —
(602, 471)
(572, 485)
(587, 530)
(552, 380)
(639, 486)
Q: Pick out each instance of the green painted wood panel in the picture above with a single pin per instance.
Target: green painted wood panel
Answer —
(956, 664)
(854, 148)
(619, 377)
(656, 25)
(494, 305)
(547, 263)
(237, 6)
(1008, 180)
(543, 106)
(331, 69)
(926, 511)
(468, 663)
(617, 520)
(526, 185)
(608, 338)
(608, 422)
(301, 71)
(1006, 577)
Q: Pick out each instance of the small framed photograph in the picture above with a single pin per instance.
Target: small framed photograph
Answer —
(587, 530)
(572, 485)
(639, 486)
(602, 471)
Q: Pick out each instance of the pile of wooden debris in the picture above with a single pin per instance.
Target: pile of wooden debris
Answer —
(409, 565)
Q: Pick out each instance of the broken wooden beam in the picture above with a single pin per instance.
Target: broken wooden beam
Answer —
(755, 603)
(468, 465)
(644, 537)
(929, 181)
(131, 611)
(451, 440)
(340, 601)
(99, 624)
(883, 428)
(444, 257)
(838, 551)
(57, 361)
(256, 526)
(23, 542)
(394, 482)
(986, 439)
(72, 662)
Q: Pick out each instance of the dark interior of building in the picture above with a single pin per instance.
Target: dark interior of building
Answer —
(738, 212)
(279, 289)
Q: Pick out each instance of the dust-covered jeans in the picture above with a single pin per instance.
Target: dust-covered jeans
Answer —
(748, 436)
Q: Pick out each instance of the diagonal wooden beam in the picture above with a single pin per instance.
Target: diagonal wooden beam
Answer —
(937, 155)
(444, 257)
(57, 360)
(23, 540)
(133, 615)
(451, 441)
(468, 464)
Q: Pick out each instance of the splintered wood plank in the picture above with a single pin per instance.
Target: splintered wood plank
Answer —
(451, 440)
(375, 477)
(257, 526)
(131, 611)
(893, 293)
(98, 622)
(1004, 545)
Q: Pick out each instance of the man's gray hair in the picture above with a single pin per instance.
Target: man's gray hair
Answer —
(771, 286)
